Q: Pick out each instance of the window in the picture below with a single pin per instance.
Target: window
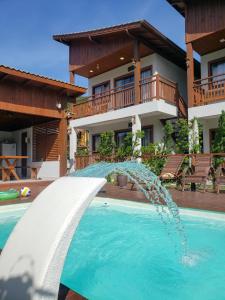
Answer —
(129, 79)
(125, 80)
(120, 135)
(217, 68)
(95, 142)
(148, 135)
(146, 73)
(100, 89)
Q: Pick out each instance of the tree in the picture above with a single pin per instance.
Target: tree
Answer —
(182, 136)
(219, 142)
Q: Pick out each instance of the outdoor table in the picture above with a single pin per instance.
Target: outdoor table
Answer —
(10, 167)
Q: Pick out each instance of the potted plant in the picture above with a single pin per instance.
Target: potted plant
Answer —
(122, 180)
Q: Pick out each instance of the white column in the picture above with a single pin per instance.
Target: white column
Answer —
(73, 147)
(136, 126)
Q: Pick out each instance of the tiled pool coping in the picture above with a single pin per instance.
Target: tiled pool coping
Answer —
(99, 201)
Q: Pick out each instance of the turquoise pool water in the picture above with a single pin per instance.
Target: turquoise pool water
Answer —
(124, 253)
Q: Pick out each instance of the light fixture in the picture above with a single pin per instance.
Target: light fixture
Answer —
(122, 58)
(97, 67)
(91, 71)
(134, 62)
(222, 40)
(58, 105)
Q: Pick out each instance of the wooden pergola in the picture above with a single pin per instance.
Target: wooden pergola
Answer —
(32, 100)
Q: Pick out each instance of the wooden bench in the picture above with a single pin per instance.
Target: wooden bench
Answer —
(33, 168)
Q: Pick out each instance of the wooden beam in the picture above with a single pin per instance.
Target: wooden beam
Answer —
(36, 111)
(137, 72)
(190, 74)
(63, 146)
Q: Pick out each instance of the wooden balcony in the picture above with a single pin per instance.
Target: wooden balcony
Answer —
(209, 90)
(155, 87)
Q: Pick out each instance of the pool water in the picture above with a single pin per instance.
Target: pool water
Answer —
(124, 252)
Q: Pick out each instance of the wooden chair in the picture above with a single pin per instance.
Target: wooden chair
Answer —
(199, 172)
(172, 168)
(220, 177)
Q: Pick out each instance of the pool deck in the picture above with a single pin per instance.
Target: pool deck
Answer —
(198, 200)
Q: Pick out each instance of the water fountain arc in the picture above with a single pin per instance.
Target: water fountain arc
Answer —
(32, 260)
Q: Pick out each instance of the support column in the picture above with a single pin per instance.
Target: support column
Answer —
(136, 126)
(137, 72)
(63, 146)
(72, 77)
(190, 74)
(72, 148)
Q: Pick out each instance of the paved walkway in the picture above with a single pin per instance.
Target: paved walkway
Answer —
(199, 200)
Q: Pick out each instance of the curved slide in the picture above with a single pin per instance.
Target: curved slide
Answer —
(32, 260)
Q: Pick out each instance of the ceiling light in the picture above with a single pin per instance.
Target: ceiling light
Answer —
(122, 58)
(222, 40)
(91, 71)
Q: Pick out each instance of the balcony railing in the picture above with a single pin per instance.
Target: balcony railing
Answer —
(209, 90)
(155, 87)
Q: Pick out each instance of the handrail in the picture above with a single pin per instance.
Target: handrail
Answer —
(207, 91)
(155, 87)
(209, 77)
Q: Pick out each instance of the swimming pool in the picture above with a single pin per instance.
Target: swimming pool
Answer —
(122, 251)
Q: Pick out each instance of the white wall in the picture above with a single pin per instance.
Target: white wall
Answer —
(159, 65)
(207, 58)
(207, 125)
(172, 72)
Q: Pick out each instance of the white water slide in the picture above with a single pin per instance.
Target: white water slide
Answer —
(33, 257)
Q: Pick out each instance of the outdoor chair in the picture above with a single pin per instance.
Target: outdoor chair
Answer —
(199, 172)
(172, 168)
(220, 177)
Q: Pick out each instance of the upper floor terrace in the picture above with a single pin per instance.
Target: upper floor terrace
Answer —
(205, 35)
(126, 65)
(152, 88)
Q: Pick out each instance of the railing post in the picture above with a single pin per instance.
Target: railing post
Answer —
(137, 72)
(157, 86)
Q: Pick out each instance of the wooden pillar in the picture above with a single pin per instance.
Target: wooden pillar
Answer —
(63, 146)
(72, 77)
(190, 74)
(137, 72)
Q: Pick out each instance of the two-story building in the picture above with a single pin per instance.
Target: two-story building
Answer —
(136, 80)
(205, 35)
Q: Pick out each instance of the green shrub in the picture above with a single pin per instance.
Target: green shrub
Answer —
(106, 145)
(219, 142)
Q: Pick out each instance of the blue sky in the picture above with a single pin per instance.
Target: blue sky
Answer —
(27, 26)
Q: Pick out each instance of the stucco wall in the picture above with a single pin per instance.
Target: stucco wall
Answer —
(209, 57)
(207, 125)
(159, 65)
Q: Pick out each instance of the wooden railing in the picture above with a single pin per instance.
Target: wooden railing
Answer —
(155, 87)
(82, 161)
(209, 90)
